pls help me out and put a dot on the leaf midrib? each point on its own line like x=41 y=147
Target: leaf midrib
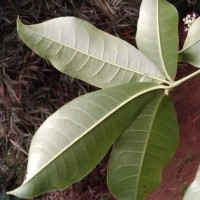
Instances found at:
x=159 y=43
x=147 y=141
x=100 y=59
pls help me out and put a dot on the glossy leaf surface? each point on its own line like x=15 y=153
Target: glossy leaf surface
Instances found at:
x=191 y=48
x=72 y=141
x=157 y=35
x=193 y=191
x=77 y=48
x=143 y=150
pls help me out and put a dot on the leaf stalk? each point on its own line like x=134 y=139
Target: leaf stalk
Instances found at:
x=179 y=82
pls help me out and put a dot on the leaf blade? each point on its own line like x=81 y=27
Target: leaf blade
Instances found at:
x=157 y=35
x=88 y=53
x=138 y=157
x=192 y=45
x=93 y=122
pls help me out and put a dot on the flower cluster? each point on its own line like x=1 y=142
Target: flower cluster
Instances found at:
x=188 y=21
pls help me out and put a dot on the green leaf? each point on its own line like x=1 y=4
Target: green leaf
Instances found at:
x=141 y=152
x=77 y=48
x=193 y=191
x=72 y=141
x=157 y=35
x=191 y=47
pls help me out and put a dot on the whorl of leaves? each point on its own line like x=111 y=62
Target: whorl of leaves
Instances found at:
x=30 y=89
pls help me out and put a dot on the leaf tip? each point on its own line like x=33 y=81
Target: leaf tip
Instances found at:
x=18 y=20
x=13 y=192
x=19 y=24
x=18 y=192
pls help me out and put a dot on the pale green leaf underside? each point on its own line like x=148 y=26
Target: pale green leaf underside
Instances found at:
x=191 y=48
x=191 y=55
x=141 y=152
x=193 y=191
x=79 y=49
x=72 y=141
x=193 y=35
x=157 y=35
